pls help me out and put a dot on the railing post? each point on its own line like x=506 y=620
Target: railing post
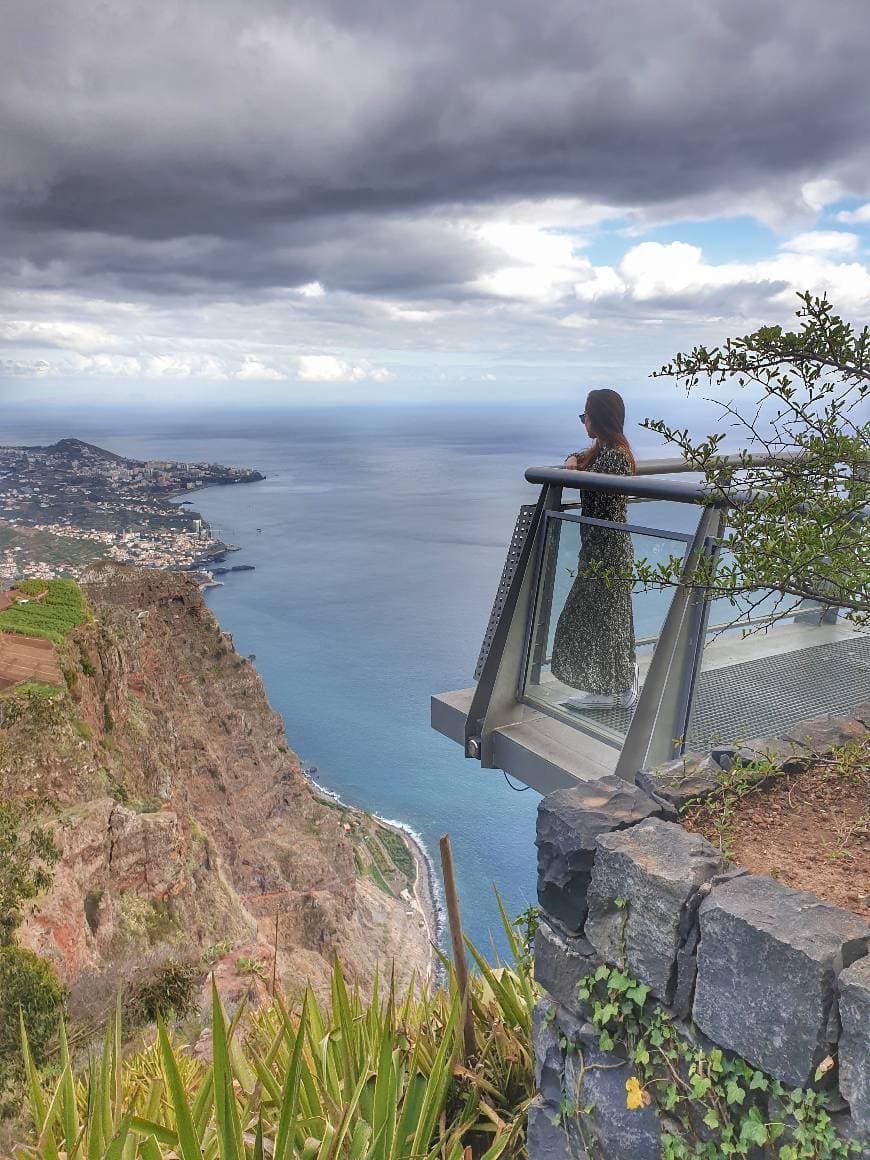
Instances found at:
x=655 y=732
x=546 y=586
x=495 y=699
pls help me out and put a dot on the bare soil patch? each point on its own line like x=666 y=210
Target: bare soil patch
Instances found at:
x=809 y=830
x=24 y=658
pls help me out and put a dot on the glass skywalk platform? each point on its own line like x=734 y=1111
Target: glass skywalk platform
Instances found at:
x=707 y=674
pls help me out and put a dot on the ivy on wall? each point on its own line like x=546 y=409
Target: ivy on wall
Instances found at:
x=711 y=1104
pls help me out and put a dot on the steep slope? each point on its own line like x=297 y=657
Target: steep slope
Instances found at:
x=183 y=817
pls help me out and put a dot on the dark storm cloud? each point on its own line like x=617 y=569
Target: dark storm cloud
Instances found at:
x=291 y=137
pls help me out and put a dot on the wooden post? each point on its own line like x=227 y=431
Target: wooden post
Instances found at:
x=459 y=961
x=275 y=949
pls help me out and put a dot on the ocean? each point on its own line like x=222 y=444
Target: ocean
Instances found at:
x=377 y=540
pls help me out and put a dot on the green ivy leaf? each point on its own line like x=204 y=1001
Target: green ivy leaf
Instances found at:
x=711 y=1119
x=734 y=1093
x=638 y=993
x=700 y=1086
x=605 y=1042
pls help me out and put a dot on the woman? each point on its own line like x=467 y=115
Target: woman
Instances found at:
x=593 y=648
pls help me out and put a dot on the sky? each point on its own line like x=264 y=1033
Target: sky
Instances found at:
x=270 y=201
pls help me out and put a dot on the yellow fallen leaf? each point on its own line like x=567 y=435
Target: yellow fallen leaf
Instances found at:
x=826 y=1065
x=635 y=1096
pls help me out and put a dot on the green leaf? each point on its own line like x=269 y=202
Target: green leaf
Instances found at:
x=734 y=1093
x=638 y=993
x=711 y=1119
x=187 y=1141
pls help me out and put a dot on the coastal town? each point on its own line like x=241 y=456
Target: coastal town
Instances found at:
x=65 y=506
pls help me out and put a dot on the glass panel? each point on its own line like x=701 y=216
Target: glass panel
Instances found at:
x=760 y=679
x=588 y=632
x=664 y=514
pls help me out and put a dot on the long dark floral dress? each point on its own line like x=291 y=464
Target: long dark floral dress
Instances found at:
x=593 y=647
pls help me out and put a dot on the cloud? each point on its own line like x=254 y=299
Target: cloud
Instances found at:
x=200 y=192
x=179 y=147
x=676 y=276
x=858 y=216
x=326 y=368
x=80 y=336
x=823 y=242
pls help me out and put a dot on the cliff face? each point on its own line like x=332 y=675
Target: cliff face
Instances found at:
x=183 y=818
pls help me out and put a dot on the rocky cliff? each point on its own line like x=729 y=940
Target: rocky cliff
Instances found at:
x=183 y=819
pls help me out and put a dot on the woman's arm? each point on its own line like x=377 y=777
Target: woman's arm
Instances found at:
x=571 y=462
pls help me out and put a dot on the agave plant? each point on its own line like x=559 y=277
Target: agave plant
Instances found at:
x=381 y=1079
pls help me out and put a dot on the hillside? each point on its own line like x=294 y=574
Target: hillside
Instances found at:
x=183 y=818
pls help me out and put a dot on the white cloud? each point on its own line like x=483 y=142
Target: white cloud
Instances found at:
x=654 y=272
x=857 y=216
x=534 y=264
x=80 y=336
x=817 y=194
x=326 y=368
x=311 y=290
x=253 y=368
x=823 y=242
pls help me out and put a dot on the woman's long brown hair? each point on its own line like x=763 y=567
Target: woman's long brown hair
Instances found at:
x=606 y=412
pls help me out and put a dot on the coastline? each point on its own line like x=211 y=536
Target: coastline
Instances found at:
x=426 y=896
x=427 y=899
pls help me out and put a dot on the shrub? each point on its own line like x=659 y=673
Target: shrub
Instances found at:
x=392 y=1077
x=27 y=856
x=166 y=990
x=29 y=984
x=245 y=965
x=216 y=951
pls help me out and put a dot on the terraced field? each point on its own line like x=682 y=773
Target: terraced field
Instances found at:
x=25 y=658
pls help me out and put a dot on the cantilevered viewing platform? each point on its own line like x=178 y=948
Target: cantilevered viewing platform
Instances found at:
x=707 y=673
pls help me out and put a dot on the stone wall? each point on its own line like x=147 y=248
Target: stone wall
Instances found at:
x=739 y=961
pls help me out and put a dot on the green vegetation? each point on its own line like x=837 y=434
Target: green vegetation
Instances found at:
x=247 y=966
x=386 y=1079
x=799 y=536
x=723 y=1105
x=401 y=856
x=32 y=997
x=143 y=921
x=216 y=951
x=36 y=690
x=41 y=706
x=54 y=609
x=87 y=667
x=377 y=877
x=27 y=857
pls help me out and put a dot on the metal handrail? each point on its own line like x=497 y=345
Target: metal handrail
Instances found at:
x=642 y=487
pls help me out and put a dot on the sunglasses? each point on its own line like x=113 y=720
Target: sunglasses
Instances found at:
x=582 y=417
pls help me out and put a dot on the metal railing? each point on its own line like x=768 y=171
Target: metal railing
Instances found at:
x=657 y=728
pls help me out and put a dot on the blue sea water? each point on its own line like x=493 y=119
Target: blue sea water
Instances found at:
x=377 y=539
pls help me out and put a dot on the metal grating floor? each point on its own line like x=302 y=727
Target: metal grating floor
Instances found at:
x=763 y=697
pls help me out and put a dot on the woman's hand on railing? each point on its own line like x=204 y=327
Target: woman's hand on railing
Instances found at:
x=571 y=462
